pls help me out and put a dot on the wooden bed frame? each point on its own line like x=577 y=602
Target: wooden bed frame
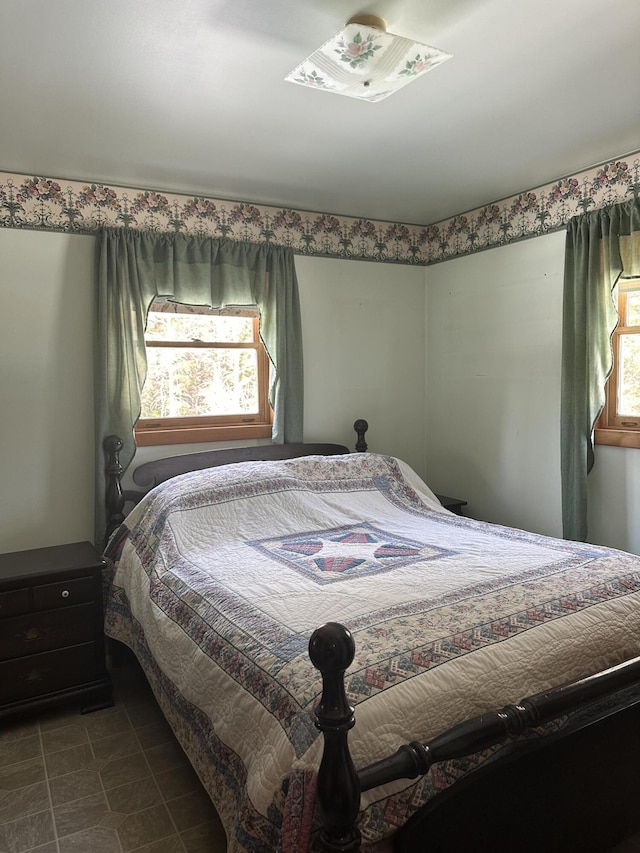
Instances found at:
x=576 y=790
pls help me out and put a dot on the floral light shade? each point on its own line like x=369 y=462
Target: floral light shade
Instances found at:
x=364 y=61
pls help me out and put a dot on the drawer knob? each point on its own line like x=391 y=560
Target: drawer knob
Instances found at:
x=65 y=593
x=34 y=675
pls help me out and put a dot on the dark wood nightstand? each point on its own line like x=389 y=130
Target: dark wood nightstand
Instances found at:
x=452 y=504
x=51 y=629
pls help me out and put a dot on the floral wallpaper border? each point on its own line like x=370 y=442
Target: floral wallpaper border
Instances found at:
x=82 y=207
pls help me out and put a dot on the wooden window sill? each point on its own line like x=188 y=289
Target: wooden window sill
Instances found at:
x=189 y=435
x=617 y=437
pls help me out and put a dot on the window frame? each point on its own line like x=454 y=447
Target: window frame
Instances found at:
x=208 y=428
x=612 y=428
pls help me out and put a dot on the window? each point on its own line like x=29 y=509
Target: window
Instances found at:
x=619 y=423
x=207 y=376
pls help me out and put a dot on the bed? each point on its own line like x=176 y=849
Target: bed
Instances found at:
x=235 y=582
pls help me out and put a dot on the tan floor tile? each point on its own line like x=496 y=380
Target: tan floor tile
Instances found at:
x=68 y=760
x=173 y=844
x=22 y=749
x=100 y=725
x=129 y=768
x=64 y=737
x=178 y=782
x=70 y=715
x=154 y=735
x=166 y=756
x=17 y=836
x=100 y=839
x=133 y=797
x=144 y=827
x=74 y=786
x=80 y=815
x=113 y=819
x=22 y=774
x=23 y=802
x=115 y=746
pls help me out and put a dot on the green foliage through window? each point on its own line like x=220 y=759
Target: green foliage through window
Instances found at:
x=197 y=366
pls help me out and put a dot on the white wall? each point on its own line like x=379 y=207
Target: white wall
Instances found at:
x=614 y=498
x=494 y=327
x=363 y=326
x=46 y=389
x=493 y=382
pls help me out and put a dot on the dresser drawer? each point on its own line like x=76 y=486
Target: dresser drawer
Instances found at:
x=63 y=593
x=53 y=629
x=37 y=675
x=14 y=601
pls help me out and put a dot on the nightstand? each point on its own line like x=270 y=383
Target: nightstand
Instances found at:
x=51 y=629
x=452 y=504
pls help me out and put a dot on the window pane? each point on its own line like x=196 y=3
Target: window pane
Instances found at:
x=629 y=376
x=198 y=327
x=633 y=308
x=196 y=382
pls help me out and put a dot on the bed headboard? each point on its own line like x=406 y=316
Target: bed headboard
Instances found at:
x=153 y=473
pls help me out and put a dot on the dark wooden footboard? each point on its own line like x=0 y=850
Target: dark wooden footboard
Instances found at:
x=587 y=775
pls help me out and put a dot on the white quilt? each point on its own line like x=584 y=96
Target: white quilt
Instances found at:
x=219 y=578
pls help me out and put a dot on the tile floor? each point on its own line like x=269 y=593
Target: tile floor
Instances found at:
x=114 y=781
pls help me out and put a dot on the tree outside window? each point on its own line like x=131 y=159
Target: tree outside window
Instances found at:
x=207 y=376
x=619 y=423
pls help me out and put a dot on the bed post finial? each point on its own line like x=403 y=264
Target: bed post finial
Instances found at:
x=361 y=426
x=331 y=649
x=114 y=498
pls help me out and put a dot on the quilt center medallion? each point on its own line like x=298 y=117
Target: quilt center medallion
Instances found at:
x=343 y=553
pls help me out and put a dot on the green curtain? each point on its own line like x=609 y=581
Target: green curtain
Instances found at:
x=134 y=268
x=593 y=264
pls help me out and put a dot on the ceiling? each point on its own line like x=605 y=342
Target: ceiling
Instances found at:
x=189 y=96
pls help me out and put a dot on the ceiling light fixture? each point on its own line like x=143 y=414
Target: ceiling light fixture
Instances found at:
x=364 y=61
